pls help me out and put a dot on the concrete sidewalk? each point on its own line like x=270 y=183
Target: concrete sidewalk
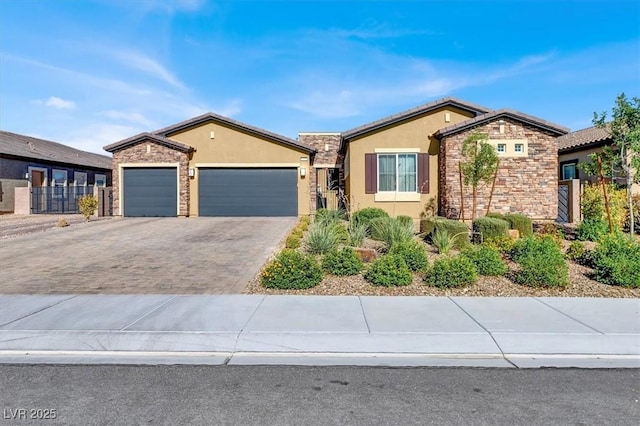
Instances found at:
x=321 y=330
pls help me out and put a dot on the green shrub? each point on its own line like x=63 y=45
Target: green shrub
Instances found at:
x=413 y=254
x=522 y=223
x=390 y=231
x=329 y=217
x=341 y=231
x=293 y=241
x=405 y=220
x=343 y=262
x=87 y=204
x=593 y=207
x=503 y=244
x=636 y=215
x=451 y=272
x=366 y=215
x=291 y=270
x=551 y=231
x=358 y=231
x=592 y=230
x=576 y=251
x=303 y=225
x=322 y=238
x=496 y=215
x=389 y=270
x=541 y=261
x=616 y=261
x=487 y=260
x=489 y=227
x=458 y=231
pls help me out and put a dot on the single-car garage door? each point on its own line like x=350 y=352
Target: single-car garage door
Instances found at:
x=248 y=192
x=150 y=191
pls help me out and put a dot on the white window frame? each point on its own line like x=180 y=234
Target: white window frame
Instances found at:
x=518 y=148
x=397 y=180
x=55 y=183
x=97 y=177
x=501 y=148
x=75 y=178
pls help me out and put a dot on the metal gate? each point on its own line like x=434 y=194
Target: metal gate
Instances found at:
x=57 y=199
x=563 y=204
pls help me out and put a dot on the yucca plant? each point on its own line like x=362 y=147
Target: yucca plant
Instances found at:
x=391 y=231
x=442 y=241
x=322 y=238
x=329 y=217
x=357 y=233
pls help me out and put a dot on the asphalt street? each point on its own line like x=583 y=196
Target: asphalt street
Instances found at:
x=283 y=395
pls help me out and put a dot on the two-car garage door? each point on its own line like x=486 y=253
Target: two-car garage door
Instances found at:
x=153 y=191
x=248 y=192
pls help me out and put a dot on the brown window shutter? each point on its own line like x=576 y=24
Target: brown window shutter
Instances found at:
x=423 y=173
x=370 y=173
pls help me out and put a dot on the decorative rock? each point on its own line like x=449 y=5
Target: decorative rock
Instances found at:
x=513 y=233
x=367 y=255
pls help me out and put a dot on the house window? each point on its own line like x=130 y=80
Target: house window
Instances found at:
x=59 y=178
x=397 y=172
x=518 y=148
x=569 y=171
x=501 y=148
x=80 y=179
x=101 y=180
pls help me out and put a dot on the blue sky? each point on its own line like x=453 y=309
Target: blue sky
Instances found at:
x=91 y=72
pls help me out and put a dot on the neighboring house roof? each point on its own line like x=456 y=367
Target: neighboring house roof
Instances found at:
x=589 y=137
x=413 y=112
x=256 y=131
x=40 y=149
x=502 y=113
x=146 y=136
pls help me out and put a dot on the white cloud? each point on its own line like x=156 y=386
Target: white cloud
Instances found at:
x=57 y=103
x=129 y=116
x=146 y=64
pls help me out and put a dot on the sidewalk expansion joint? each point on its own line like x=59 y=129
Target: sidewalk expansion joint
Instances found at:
x=568 y=316
x=148 y=313
x=40 y=310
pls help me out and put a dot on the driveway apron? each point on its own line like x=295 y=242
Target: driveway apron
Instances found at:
x=142 y=256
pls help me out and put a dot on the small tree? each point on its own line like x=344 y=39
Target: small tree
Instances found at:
x=624 y=155
x=479 y=164
x=87 y=204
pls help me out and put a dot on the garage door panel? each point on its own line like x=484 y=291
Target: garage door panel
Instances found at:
x=150 y=191
x=248 y=192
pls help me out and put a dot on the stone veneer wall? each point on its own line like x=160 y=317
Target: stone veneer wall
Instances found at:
x=323 y=157
x=527 y=185
x=157 y=154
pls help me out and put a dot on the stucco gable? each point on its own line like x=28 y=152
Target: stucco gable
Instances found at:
x=237 y=125
x=413 y=112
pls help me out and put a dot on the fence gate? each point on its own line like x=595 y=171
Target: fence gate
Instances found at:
x=105 y=201
x=563 y=204
x=57 y=199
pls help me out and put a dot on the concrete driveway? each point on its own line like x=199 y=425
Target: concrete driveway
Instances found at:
x=142 y=256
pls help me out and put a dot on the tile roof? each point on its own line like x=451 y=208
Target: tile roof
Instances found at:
x=148 y=136
x=212 y=117
x=40 y=149
x=392 y=119
x=508 y=113
x=585 y=137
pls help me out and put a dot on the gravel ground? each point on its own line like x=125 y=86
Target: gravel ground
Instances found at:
x=581 y=286
x=12 y=225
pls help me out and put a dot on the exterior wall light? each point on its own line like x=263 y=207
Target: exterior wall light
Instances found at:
x=303 y=171
x=192 y=172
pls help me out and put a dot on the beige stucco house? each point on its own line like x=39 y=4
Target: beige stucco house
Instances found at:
x=214 y=166
x=575 y=147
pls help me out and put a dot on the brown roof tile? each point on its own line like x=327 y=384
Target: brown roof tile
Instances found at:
x=147 y=136
x=211 y=117
x=585 y=137
x=508 y=113
x=40 y=149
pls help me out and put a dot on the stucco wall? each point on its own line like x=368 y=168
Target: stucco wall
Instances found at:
x=527 y=185
x=149 y=154
x=232 y=148
x=414 y=133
